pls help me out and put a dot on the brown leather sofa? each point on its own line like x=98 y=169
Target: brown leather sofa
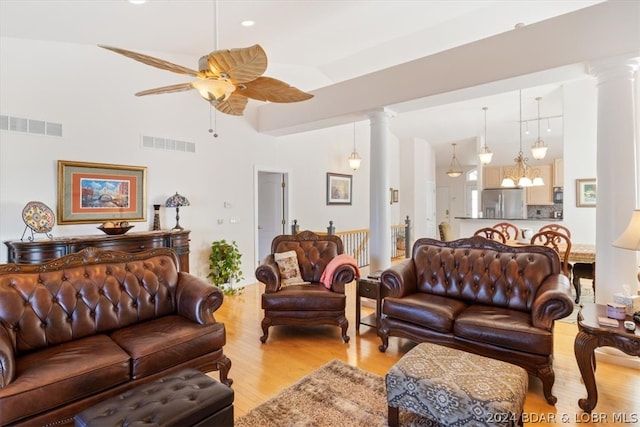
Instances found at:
x=480 y=296
x=82 y=328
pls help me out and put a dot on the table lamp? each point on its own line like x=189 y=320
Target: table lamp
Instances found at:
x=176 y=201
x=630 y=237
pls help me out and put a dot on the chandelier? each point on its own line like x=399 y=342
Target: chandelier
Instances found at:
x=485 y=154
x=455 y=170
x=521 y=174
x=354 y=158
x=539 y=149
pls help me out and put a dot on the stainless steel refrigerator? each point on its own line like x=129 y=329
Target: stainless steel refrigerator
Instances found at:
x=504 y=203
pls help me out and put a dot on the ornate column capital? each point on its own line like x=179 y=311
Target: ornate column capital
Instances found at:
x=615 y=67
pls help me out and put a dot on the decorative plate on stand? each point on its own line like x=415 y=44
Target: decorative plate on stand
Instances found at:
x=38 y=217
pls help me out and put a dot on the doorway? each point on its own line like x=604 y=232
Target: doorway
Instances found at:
x=272 y=208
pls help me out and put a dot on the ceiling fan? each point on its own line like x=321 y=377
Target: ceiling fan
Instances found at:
x=226 y=78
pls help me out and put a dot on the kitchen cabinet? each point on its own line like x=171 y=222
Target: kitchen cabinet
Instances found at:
x=543 y=194
x=40 y=251
x=492 y=176
x=558 y=172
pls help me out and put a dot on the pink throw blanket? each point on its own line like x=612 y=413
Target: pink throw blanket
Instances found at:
x=342 y=259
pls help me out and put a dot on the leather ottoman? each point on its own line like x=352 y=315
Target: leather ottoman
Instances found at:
x=186 y=398
x=450 y=387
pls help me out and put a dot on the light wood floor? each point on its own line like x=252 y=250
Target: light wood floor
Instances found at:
x=261 y=370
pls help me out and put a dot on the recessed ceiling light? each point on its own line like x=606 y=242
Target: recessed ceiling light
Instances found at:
x=137 y=1
x=248 y=23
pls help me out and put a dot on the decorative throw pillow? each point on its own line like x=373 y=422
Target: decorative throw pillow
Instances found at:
x=289 y=269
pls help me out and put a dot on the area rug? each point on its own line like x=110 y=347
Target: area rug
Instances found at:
x=336 y=394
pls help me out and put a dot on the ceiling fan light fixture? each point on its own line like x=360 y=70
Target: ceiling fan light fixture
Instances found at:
x=214 y=90
x=455 y=169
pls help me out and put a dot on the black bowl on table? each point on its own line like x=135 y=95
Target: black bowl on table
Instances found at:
x=114 y=231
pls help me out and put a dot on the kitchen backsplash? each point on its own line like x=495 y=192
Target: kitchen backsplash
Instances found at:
x=544 y=211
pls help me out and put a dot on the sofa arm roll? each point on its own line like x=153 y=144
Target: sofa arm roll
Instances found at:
x=197 y=299
x=269 y=274
x=399 y=280
x=7 y=359
x=343 y=275
x=552 y=302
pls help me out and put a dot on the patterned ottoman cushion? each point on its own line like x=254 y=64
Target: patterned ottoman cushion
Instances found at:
x=456 y=388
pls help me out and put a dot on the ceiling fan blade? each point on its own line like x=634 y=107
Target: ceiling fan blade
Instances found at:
x=180 y=87
x=154 y=62
x=239 y=65
x=272 y=90
x=234 y=105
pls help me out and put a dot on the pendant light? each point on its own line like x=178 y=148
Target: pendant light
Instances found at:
x=539 y=149
x=485 y=154
x=354 y=158
x=521 y=174
x=455 y=170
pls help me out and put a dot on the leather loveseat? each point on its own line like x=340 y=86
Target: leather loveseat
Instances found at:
x=82 y=328
x=480 y=296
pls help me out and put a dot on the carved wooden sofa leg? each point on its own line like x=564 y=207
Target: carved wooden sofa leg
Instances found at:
x=344 y=325
x=266 y=322
x=224 y=365
x=384 y=337
x=548 y=378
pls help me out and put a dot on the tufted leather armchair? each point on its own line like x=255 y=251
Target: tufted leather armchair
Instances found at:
x=90 y=325
x=481 y=296
x=306 y=304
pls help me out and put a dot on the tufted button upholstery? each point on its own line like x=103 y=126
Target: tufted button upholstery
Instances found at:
x=87 y=326
x=185 y=398
x=311 y=303
x=481 y=296
x=98 y=298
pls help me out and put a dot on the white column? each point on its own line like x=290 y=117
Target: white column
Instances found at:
x=616 y=174
x=379 y=208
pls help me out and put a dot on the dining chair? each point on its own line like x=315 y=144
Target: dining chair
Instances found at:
x=492 y=234
x=509 y=230
x=446 y=235
x=560 y=242
x=556 y=227
x=584 y=270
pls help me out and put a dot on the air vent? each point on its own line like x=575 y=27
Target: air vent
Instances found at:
x=157 y=143
x=36 y=127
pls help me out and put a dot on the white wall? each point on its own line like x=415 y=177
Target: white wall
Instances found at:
x=580 y=140
x=417 y=158
x=90 y=92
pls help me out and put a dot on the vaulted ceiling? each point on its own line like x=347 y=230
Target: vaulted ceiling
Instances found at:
x=315 y=43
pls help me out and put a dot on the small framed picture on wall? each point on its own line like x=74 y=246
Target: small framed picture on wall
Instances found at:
x=586 y=193
x=338 y=189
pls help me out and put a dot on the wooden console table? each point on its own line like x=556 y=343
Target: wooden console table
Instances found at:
x=591 y=336
x=40 y=251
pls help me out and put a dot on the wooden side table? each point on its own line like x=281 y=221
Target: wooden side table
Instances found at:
x=592 y=335
x=368 y=288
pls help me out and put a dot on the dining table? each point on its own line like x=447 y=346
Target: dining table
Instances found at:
x=580 y=252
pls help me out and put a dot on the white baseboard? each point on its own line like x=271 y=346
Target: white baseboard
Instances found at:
x=617 y=357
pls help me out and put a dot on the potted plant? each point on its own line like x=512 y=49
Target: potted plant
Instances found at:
x=224 y=266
